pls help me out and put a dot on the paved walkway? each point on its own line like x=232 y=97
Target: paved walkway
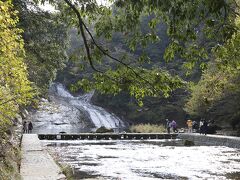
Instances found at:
x=36 y=163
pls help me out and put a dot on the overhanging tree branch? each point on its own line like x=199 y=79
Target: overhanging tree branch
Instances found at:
x=80 y=21
x=81 y=25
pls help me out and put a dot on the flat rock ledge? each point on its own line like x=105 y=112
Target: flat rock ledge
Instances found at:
x=36 y=162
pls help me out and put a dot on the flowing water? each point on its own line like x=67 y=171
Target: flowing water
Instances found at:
x=145 y=160
x=71 y=114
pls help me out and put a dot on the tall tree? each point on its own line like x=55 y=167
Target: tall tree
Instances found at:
x=216 y=96
x=15 y=88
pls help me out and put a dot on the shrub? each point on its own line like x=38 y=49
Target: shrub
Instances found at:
x=67 y=171
x=189 y=143
x=147 y=128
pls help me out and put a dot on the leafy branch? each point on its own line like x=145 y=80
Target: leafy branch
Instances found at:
x=83 y=25
x=80 y=21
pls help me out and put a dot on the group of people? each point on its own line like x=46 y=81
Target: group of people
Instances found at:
x=27 y=127
x=171 y=125
x=203 y=126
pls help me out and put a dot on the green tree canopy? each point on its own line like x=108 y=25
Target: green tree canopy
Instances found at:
x=186 y=21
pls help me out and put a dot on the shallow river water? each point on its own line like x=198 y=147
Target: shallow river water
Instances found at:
x=148 y=159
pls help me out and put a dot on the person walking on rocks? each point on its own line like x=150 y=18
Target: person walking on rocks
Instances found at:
x=25 y=127
x=189 y=124
x=30 y=127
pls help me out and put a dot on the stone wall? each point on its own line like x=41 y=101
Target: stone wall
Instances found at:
x=212 y=140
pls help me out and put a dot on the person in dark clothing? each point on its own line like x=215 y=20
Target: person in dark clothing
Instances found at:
x=25 y=128
x=30 y=127
x=195 y=126
x=168 y=126
x=205 y=127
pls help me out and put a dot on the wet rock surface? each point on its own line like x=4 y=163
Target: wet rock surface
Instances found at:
x=57 y=116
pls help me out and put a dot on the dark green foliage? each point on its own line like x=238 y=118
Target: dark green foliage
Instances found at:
x=45 y=38
x=154 y=110
x=216 y=97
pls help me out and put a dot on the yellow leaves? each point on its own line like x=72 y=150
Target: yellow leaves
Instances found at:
x=3 y=7
x=15 y=88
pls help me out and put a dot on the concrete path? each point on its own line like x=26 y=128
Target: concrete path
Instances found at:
x=36 y=163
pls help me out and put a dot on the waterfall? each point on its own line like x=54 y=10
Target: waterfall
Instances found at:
x=99 y=116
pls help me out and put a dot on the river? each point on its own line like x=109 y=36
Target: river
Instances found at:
x=146 y=160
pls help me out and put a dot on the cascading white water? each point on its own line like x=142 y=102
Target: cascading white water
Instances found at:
x=99 y=116
x=60 y=90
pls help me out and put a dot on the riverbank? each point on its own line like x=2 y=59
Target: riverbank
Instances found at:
x=36 y=163
x=211 y=140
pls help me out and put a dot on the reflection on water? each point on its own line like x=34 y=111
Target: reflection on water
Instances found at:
x=149 y=159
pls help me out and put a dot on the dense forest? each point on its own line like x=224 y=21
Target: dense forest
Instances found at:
x=147 y=60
